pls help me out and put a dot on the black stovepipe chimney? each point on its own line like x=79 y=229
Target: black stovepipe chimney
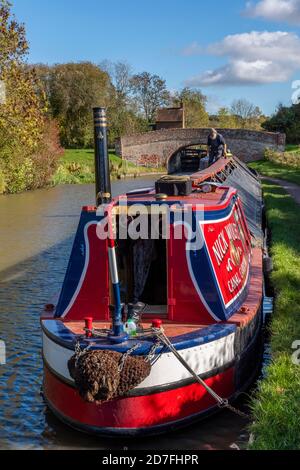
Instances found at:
x=102 y=174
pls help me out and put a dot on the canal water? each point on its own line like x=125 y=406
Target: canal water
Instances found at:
x=36 y=234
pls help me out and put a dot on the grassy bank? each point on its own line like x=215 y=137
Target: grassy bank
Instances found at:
x=293 y=148
x=284 y=166
x=77 y=166
x=276 y=407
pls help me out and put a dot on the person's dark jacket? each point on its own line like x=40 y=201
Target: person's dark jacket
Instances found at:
x=216 y=143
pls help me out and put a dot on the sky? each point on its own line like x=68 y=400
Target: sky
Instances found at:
x=228 y=49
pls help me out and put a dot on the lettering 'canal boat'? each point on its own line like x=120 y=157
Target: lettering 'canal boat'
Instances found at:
x=159 y=319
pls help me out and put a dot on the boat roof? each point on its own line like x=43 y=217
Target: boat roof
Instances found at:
x=211 y=201
x=231 y=176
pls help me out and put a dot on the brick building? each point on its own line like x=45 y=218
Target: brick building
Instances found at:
x=169 y=118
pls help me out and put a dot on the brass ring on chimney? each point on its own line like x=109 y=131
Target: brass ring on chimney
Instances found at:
x=100 y=124
x=101 y=120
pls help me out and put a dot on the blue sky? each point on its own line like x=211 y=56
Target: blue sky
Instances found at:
x=226 y=48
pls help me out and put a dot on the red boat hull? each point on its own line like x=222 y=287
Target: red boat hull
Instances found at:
x=146 y=414
x=153 y=413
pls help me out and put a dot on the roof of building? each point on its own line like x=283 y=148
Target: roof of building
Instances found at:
x=169 y=115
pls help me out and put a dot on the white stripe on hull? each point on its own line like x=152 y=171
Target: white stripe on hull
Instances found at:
x=167 y=369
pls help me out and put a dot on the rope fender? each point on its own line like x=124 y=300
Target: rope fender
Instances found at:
x=101 y=376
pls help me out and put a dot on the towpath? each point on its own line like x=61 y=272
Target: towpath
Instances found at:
x=291 y=188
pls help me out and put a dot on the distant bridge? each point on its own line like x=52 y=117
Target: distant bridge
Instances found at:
x=159 y=148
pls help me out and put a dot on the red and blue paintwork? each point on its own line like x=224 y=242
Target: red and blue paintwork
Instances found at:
x=202 y=297
x=86 y=284
x=208 y=286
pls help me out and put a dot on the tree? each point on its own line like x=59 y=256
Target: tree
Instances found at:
x=22 y=114
x=122 y=111
x=124 y=121
x=13 y=42
x=226 y=119
x=73 y=90
x=247 y=114
x=120 y=74
x=286 y=120
x=150 y=93
x=121 y=77
x=18 y=124
x=194 y=103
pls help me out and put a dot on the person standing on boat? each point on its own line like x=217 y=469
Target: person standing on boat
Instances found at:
x=216 y=146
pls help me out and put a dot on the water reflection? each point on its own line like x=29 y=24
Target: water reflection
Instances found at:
x=37 y=231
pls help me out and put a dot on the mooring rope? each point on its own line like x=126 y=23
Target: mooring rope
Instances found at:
x=222 y=402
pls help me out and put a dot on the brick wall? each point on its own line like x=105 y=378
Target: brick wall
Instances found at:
x=157 y=147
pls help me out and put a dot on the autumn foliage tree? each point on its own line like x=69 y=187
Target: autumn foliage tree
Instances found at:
x=23 y=122
x=74 y=88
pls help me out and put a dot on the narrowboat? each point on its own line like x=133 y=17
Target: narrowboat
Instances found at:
x=158 y=322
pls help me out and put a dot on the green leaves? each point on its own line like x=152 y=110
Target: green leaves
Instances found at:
x=287 y=120
x=23 y=124
x=194 y=103
x=13 y=43
x=150 y=93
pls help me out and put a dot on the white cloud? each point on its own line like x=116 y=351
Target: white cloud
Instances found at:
x=253 y=58
x=275 y=10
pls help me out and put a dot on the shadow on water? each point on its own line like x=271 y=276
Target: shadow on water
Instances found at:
x=42 y=239
x=24 y=289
